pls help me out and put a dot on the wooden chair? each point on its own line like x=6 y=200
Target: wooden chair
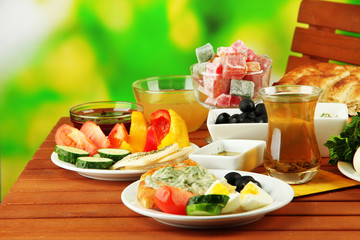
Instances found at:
x=327 y=36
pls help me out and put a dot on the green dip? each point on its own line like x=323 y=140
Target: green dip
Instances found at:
x=195 y=179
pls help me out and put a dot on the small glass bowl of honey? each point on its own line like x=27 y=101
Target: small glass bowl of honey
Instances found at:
x=104 y=113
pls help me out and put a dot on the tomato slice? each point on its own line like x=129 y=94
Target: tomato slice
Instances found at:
x=151 y=140
x=160 y=119
x=172 y=199
x=117 y=135
x=69 y=136
x=95 y=134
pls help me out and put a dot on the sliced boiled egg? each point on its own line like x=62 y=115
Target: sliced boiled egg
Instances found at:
x=356 y=160
x=217 y=188
x=253 y=197
x=233 y=204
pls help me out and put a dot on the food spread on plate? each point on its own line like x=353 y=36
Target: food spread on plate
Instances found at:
x=163 y=142
x=187 y=188
x=230 y=74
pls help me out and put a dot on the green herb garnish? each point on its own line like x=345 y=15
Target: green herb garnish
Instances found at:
x=344 y=146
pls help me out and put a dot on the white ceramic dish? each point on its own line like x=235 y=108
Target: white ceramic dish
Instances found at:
x=280 y=191
x=99 y=174
x=348 y=170
x=103 y=174
x=250 y=154
x=324 y=127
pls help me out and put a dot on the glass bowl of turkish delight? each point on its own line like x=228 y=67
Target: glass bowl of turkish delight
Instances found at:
x=223 y=78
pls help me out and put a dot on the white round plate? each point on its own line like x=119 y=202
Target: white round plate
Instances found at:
x=280 y=191
x=348 y=170
x=99 y=174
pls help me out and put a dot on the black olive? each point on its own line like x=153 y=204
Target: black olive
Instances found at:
x=262 y=119
x=231 y=177
x=247 y=105
x=235 y=118
x=240 y=183
x=222 y=118
x=260 y=109
x=247 y=115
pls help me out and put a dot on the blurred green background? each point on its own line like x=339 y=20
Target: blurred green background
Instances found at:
x=58 y=53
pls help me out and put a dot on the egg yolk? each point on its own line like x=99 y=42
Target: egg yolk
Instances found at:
x=249 y=188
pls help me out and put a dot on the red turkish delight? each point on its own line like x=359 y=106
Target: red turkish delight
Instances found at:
x=234 y=65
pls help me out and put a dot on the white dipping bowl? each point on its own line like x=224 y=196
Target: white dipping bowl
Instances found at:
x=324 y=127
x=250 y=155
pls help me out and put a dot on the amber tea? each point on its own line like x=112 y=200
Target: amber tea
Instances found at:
x=292 y=153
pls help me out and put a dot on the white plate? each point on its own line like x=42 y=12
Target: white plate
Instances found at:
x=280 y=191
x=103 y=174
x=348 y=170
x=99 y=174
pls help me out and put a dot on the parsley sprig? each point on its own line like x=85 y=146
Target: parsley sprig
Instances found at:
x=344 y=146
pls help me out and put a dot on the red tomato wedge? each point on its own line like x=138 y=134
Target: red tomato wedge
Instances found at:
x=69 y=136
x=161 y=122
x=172 y=199
x=95 y=134
x=151 y=140
x=117 y=135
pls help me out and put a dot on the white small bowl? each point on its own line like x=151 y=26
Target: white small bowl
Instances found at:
x=324 y=127
x=250 y=155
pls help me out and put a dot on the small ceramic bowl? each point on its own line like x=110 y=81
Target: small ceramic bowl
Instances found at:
x=330 y=119
x=234 y=154
x=104 y=113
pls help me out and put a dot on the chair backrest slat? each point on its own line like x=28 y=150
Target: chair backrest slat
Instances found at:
x=330 y=14
x=321 y=42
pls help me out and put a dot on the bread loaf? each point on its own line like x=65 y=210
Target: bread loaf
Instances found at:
x=340 y=83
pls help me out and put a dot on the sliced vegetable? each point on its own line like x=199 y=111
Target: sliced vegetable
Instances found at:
x=115 y=154
x=210 y=198
x=204 y=209
x=95 y=134
x=69 y=136
x=117 y=135
x=172 y=199
x=70 y=154
x=138 y=131
x=160 y=119
x=94 y=162
x=151 y=140
x=178 y=132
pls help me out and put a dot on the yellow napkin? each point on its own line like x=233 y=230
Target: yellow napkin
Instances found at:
x=322 y=182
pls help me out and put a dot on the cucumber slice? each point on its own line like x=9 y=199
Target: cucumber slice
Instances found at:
x=70 y=154
x=209 y=198
x=115 y=154
x=204 y=209
x=94 y=162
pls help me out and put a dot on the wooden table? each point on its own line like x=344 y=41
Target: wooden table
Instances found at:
x=48 y=202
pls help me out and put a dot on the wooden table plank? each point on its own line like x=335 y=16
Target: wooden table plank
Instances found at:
x=144 y=224
x=187 y=234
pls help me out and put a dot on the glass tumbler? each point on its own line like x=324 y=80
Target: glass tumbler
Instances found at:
x=292 y=153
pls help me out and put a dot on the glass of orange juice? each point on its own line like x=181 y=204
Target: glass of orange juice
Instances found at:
x=292 y=153
x=175 y=92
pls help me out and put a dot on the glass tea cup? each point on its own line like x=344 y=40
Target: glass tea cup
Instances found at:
x=292 y=152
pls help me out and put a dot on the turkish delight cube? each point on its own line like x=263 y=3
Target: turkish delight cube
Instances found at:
x=205 y=53
x=234 y=65
x=242 y=88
